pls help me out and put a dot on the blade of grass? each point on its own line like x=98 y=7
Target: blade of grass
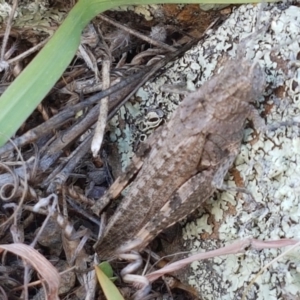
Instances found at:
x=110 y=291
x=33 y=84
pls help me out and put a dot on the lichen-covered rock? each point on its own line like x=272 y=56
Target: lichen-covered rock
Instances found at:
x=268 y=164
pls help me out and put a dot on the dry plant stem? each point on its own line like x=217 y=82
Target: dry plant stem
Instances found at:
x=10 y=51
x=16 y=212
x=73 y=247
x=3 y=294
x=33 y=244
x=122 y=60
x=86 y=123
x=38 y=282
x=78 y=196
x=149 y=52
x=13 y=179
x=103 y=109
x=26 y=280
x=40 y=211
x=51 y=176
x=28 y=52
x=74 y=132
x=73 y=160
x=89 y=60
x=51 y=211
x=83 y=212
x=138 y=34
x=64 y=204
x=234 y=248
x=69 y=79
x=17 y=193
x=5 y=184
x=146 y=264
x=295 y=245
x=74 y=250
x=43 y=112
x=27 y=267
x=103 y=222
x=64 y=116
x=28 y=221
x=163 y=261
x=36 y=159
x=8 y=28
x=95 y=88
x=106 y=165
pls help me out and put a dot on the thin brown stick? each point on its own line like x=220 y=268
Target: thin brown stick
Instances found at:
x=138 y=34
x=8 y=28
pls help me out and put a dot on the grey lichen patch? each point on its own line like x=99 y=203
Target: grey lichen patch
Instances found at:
x=137 y=119
x=34 y=15
x=123 y=135
x=133 y=124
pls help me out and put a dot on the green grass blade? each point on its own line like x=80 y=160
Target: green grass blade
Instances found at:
x=110 y=291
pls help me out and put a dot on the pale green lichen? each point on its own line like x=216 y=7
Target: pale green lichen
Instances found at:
x=199 y=226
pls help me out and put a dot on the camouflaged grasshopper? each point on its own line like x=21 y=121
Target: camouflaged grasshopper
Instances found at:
x=186 y=159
